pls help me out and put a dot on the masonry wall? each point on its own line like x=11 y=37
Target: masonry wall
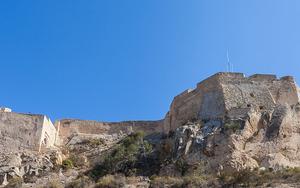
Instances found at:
x=230 y=93
x=24 y=128
x=182 y=108
x=242 y=93
x=206 y=101
x=69 y=127
x=286 y=91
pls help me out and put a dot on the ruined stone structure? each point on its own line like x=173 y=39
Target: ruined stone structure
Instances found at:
x=230 y=94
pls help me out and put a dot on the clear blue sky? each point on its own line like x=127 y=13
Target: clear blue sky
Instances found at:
x=114 y=60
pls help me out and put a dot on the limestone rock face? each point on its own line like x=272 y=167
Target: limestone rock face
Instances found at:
x=263 y=138
x=27 y=164
x=90 y=146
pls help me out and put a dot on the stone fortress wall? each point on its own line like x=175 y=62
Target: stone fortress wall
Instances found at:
x=221 y=95
x=69 y=127
x=37 y=132
x=30 y=130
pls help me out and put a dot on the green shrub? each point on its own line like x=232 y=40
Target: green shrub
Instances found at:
x=125 y=157
x=295 y=170
x=182 y=166
x=96 y=142
x=67 y=164
x=148 y=147
x=78 y=160
x=234 y=126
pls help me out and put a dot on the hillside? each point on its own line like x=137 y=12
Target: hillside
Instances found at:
x=230 y=130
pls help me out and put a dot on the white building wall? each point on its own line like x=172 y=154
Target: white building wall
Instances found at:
x=48 y=134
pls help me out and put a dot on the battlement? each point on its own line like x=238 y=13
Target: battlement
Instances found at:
x=183 y=94
x=263 y=77
x=235 y=77
x=288 y=78
x=221 y=76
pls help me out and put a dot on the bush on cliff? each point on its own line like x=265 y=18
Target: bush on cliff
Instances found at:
x=67 y=164
x=127 y=157
x=234 y=126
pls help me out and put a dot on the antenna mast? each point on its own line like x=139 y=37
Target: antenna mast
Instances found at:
x=229 y=65
x=228 y=62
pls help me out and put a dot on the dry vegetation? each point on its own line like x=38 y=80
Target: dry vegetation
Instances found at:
x=134 y=156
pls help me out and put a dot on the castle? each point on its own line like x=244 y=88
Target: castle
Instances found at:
x=230 y=94
x=219 y=96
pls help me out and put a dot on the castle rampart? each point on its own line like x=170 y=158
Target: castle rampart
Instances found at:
x=217 y=95
x=32 y=131
x=68 y=127
x=263 y=77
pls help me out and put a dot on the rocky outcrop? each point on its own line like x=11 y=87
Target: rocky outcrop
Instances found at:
x=27 y=165
x=266 y=139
